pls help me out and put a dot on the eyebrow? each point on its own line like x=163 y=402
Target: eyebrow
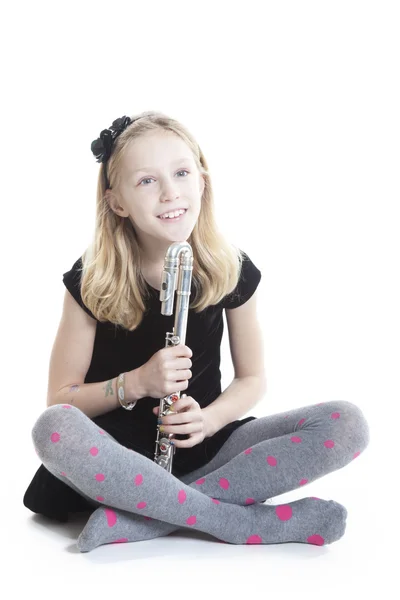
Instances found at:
x=175 y=162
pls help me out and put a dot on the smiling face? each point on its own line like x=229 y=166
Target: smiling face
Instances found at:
x=158 y=175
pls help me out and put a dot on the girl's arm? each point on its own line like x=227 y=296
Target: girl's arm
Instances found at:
x=95 y=399
x=69 y=363
x=235 y=401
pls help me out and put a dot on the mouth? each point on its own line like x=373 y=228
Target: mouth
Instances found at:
x=174 y=220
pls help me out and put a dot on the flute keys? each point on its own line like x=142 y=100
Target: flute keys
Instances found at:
x=162 y=461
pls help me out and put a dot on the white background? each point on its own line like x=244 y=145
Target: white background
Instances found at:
x=296 y=108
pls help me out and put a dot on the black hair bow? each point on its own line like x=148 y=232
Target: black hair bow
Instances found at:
x=102 y=147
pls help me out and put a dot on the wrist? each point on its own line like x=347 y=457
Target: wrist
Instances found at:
x=134 y=385
x=211 y=425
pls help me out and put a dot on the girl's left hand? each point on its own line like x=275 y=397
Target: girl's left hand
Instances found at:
x=189 y=419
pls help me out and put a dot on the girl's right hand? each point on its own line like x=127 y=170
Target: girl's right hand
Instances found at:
x=166 y=372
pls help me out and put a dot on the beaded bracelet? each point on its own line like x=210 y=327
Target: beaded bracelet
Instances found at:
x=121 y=393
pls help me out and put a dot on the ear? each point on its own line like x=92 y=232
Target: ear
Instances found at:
x=115 y=205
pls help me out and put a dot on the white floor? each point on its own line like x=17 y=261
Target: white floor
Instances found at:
x=42 y=559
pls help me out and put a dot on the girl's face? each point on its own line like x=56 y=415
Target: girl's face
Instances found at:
x=159 y=175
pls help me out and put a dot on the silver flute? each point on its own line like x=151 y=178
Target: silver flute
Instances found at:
x=177 y=275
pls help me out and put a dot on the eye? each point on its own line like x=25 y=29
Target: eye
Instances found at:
x=149 y=178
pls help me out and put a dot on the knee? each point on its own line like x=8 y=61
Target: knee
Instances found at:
x=352 y=420
x=48 y=423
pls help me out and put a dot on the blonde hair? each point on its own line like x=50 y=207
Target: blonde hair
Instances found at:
x=112 y=284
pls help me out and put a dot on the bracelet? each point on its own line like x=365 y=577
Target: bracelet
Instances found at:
x=121 y=393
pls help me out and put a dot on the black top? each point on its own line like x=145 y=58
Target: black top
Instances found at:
x=118 y=350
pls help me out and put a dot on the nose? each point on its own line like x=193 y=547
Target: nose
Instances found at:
x=169 y=191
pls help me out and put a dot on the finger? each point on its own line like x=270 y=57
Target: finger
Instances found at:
x=193 y=440
x=186 y=428
x=181 y=418
x=183 y=402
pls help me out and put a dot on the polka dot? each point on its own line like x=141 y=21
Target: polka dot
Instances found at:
x=356 y=454
x=329 y=443
x=55 y=437
x=120 y=541
x=63 y=473
x=94 y=451
x=148 y=518
x=248 y=451
x=249 y=501
x=271 y=460
x=139 y=479
x=141 y=505
x=181 y=496
x=300 y=423
x=215 y=501
x=319 y=403
x=224 y=483
x=284 y=512
x=100 y=498
x=335 y=415
x=315 y=498
x=200 y=481
x=295 y=439
x=316 y=539
x=101 y=431
x=303 y=481
x=111 y=517
x=100 y=477
x=191 y=520
x=66 y=406
x=254 y=539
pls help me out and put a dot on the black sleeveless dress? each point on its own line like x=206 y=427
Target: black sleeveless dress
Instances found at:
x=117 y=350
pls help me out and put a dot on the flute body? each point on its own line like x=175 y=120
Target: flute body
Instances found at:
x=176 y=276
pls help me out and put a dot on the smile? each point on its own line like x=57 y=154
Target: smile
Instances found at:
x=174 y=220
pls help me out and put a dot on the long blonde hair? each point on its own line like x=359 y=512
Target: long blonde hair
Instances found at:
x=112 y=284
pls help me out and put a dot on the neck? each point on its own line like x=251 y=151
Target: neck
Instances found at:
x=152 y=258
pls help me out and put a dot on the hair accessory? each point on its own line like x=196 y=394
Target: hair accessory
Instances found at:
x=102 y=147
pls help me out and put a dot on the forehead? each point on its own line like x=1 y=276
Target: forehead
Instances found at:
x=156 y=150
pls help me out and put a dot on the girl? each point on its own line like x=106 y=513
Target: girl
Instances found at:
x=154 y=188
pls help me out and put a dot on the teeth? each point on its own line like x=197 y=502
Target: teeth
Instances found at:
x=172 y=215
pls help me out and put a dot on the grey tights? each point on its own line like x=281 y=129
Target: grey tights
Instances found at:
x=268 y=456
